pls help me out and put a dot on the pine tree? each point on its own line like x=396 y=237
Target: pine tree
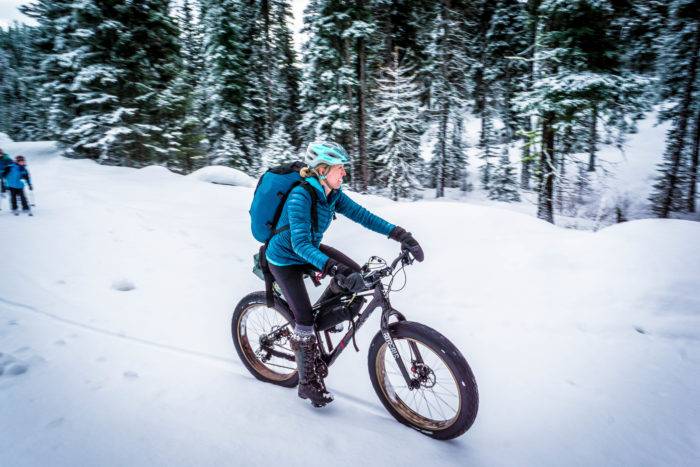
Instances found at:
x=487 y=141
x=329 y=77
x=397 y=121
x=286 y=78
x=679 y=68
x=233 y=92
x=230 y=152
x=128 y=55
x=578 y=82
x=504 y=186
x=278 y=150
x=449 y=86
x=55 y=44
x=22 y=115
x=505 y=69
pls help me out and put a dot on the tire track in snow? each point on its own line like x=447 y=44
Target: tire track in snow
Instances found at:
x=119 y=335
x=362 y=404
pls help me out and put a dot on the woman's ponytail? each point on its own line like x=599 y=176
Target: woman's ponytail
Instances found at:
x=307 y=172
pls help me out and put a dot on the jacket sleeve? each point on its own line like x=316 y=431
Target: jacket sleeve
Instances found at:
x=299 y=212
x=350 y=209
x=25 y=175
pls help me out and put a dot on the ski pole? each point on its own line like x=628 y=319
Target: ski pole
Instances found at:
x=32 y=200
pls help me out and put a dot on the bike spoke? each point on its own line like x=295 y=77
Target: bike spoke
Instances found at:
x=435 y=399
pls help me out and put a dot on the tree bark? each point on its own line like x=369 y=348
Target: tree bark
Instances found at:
x=265 y=9
x=693 y=179
x=361 y=110
x=546 y=188
x=442 y=142
x=678 y=145
x=592 y=138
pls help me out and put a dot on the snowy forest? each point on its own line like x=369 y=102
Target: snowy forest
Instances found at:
x=219 y=82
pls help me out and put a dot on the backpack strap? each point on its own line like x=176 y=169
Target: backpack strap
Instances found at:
x=269 y=279
x=314 y=204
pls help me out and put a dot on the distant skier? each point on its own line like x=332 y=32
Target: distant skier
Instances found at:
x=5 y=161
x=15 y=174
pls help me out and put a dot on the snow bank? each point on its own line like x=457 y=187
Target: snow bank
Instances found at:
x=4 y=138
x=222 y=175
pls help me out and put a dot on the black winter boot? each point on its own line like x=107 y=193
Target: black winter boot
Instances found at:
x=311 y=370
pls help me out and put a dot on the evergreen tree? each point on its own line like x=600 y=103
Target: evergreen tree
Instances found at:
x=128 y=55
x=487 y=141
x=679 y=76
x=22 y=115
x=232 y=89
x=504 y=186
x=278 y=150
x=286 y=78
x=451 y=29
x=505 y=69
x=398 y=126
x=578 y=82
x=59 y=54
x=230 y=152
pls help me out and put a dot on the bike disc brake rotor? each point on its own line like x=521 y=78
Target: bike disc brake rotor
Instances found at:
x=434 y=401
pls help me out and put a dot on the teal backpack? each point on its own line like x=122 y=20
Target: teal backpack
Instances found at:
x=270 y=195
x=268 y=202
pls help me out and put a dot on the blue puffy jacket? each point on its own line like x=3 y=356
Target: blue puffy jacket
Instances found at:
x=14 y=174
x=297 y=245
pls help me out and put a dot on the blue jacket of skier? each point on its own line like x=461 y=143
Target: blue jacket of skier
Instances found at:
x=298 y=245
x=15 y=174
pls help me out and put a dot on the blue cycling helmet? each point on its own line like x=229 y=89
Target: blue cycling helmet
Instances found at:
x=325 y=152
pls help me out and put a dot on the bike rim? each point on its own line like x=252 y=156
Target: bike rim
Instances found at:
x=257 y=321
x=436 y=404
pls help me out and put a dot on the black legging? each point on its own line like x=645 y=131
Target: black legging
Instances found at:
x=291 y=281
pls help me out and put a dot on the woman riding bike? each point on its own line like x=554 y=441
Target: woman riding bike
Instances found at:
x=293 y=250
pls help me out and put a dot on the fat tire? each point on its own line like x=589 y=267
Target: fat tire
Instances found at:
x=259 y=298
x=451 y=356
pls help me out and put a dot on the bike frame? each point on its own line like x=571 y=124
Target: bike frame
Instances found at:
x=379 y=300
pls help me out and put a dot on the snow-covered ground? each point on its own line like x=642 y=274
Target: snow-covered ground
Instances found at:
x=115 y=347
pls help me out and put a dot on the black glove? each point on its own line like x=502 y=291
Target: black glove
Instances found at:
x=407 y=242
x=31 y=188
x=333 y=268
x=354 y=282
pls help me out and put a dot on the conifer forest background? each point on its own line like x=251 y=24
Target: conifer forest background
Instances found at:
x=219 y=82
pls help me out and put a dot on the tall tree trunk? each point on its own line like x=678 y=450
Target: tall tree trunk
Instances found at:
x=592 y=138
x=361 y=109
x=679 y=134
x=561 y=176
x=265 y=10
x=441 y=176
x=546 y=188
x=693 y=179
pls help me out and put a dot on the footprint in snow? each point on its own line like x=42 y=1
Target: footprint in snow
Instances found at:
x=123 y=285
x=60 y=343
x=55 y=423
x=131 y=375
x=11 y=366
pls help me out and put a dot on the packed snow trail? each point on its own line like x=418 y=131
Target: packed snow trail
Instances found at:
x=115 y=341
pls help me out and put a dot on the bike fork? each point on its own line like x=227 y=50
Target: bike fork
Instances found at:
x=411 y=383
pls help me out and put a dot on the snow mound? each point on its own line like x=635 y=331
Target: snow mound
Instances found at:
x=4 y=138
x=222 y=175
x=155 y=172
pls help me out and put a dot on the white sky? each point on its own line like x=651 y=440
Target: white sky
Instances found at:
x=10 y=13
